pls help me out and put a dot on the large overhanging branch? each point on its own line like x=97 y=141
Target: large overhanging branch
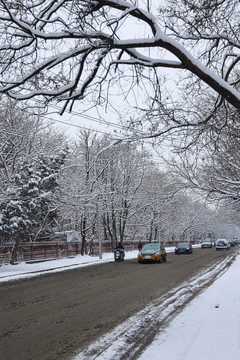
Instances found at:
x=86 y=38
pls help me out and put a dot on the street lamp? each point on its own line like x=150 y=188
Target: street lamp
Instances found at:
x=95 y=176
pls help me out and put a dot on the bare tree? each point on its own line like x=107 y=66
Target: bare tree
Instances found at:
x=76 y=197
x=122 y=187
x=213 y=169
x=220 y=170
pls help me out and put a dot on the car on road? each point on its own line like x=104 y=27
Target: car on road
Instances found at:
x=152 y=252
x=233 y=242
x=206 y=244
x=183 y=248
x=222 y=244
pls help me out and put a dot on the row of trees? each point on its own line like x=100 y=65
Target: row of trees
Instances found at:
x=132 y=196
x=47 y=186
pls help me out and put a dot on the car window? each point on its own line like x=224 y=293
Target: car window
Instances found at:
x=154 y=247
x=183 y=244
x=147 y=247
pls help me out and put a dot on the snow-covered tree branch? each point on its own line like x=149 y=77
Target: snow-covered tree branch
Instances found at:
x=72 y=50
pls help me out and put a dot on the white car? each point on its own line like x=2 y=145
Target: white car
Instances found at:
x=222 y=244
x=206 y=244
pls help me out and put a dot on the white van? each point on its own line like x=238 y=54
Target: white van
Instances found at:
x=222 y=244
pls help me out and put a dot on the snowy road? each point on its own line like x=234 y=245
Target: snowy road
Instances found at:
x=66 y=312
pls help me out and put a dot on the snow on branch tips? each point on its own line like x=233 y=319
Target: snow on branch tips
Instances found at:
x=64 y=51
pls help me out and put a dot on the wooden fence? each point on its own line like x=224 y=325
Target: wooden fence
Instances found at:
x=34 y=251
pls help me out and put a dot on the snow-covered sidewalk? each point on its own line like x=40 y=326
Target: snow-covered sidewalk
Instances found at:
x=23 y=270
x=209 y=328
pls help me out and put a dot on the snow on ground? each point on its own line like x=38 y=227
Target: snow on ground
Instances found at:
x=23 y=270
x=208 y=328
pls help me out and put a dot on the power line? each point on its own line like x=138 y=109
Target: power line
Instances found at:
x=140 y=135
x=74 y=125
x=94 y=119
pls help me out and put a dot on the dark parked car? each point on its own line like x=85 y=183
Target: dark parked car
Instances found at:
x=233 y=242
x=183 y=248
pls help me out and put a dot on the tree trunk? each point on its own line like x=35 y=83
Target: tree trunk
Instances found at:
x=83 y=233
x=106 y=221
x=114 y=229
x=124 y=221
x=14 y=251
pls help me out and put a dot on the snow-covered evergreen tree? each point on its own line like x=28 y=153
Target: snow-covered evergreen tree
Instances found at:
x=27 y=207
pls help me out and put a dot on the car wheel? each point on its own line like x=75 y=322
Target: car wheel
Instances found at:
x=165 y=258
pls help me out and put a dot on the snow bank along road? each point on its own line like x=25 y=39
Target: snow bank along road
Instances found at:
x=58 y=315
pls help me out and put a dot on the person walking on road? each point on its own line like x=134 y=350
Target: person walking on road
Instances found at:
x=140 y=245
